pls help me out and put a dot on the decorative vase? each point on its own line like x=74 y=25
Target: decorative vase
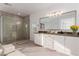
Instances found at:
x=74 y=28
x=74 y=32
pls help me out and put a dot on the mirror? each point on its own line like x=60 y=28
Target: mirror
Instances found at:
x=60 y=22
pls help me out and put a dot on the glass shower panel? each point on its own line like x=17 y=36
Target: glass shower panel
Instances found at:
x=0 y=29
x=13 y=28
x=9 y=29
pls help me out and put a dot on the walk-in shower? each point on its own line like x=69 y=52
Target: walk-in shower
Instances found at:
x=13 y=28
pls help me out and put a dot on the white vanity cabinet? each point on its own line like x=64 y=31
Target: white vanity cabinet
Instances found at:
x=38 y=39
x=68 y=45
x=48 y=41
x=71 y=45
x=59 y=43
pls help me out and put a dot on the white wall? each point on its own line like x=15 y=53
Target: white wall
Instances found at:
x=34 y=18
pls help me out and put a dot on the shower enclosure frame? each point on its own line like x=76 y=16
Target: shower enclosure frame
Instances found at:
x=1 y=27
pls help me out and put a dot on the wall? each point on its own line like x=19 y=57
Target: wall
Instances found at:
x=34 y=18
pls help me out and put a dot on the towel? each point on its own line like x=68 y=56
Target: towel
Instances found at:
x=8 y=48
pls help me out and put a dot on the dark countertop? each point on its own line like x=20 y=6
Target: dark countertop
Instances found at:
x=72 y=35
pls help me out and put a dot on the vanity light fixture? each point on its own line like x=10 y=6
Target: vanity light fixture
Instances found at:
x=58 y=13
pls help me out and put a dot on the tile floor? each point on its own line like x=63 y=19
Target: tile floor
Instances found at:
x=30 y=49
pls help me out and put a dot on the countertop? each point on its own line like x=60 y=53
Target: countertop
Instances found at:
x=73 y=35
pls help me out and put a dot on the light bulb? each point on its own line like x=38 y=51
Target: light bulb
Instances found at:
x=57 y=13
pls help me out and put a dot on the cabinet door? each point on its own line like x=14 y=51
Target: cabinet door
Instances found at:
x=59 y=43
x=70 y=45
x=48 y=41
x=38 y=39
x=76 y=48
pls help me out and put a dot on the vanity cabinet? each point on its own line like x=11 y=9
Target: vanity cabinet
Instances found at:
x=64 y=44
x=48 y=41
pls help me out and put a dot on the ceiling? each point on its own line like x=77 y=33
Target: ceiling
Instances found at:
x=24 y=9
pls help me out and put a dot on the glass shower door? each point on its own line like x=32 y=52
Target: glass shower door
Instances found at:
x=9 y=29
